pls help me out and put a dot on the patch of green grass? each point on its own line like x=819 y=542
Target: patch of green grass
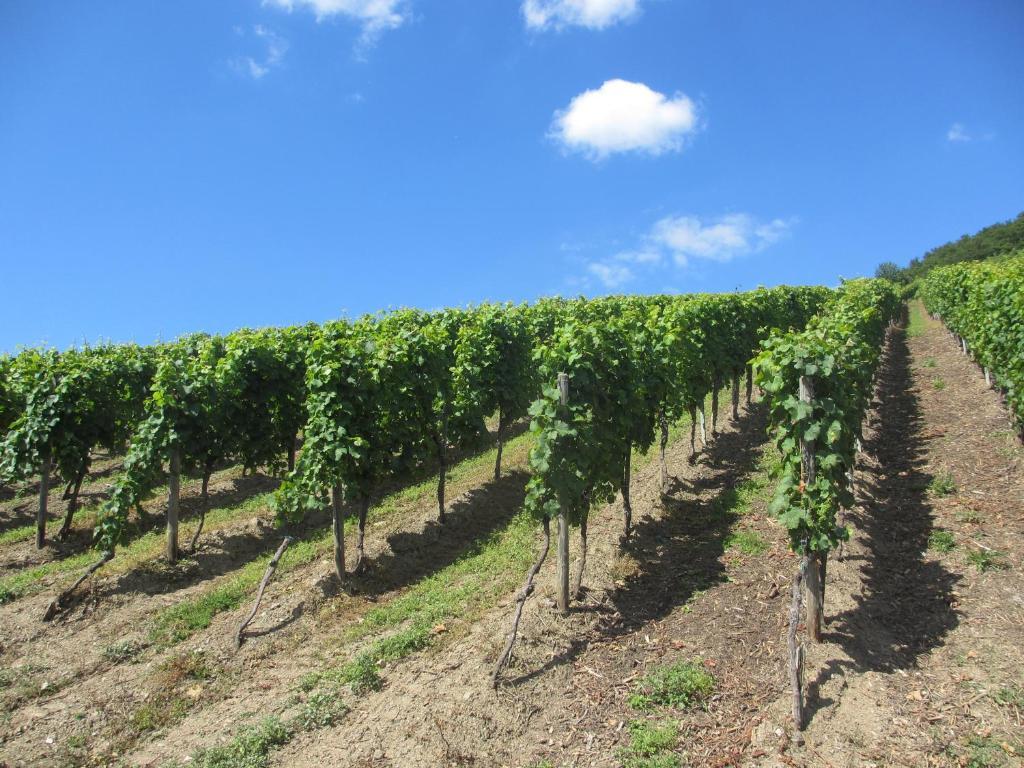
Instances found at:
x=984 y=752
x=651 y=745
x=122 y=651
x=929 y=362
x=682 y=684
x=938 y=384
x=942 y=484
x=941 y=541
x=915 y=320
x=249 y=749
x=986 y=560
x=1010 y=696
x=747 y=542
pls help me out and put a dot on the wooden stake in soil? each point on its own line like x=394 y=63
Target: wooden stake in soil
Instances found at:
x=442 y=460
x=271 y=567
x=693 y=432
x=627 y=506
x=577 y=587
x=750 y=383
x=44 y=497
x=815 y=587
x=497 y=460
x=714 y=406
x=663 y=423
x=563 y=524
x=338 y=523
x=701 y=422
x=735 y=397
x=524 y=593
x=364 y=508
x=796 y=649
x=173 y=488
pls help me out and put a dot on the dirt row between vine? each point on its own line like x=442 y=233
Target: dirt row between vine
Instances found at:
x=60 y=684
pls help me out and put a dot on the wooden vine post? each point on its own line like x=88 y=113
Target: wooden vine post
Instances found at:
x=796 y=650
x=173 y=490
x=497 y=460
x=735 y=397
x=750 y=384
x=813 y=562
x=563 y=523
x=44 y=494
x=338 y=522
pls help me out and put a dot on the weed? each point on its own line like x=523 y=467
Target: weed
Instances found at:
x=650 y=745
x=983 y=753
x=941 y=541
x=968 y=516
x=679 y=685
x=938 y=384
x=942 y=484
x=361 y=673
x=321 y=709
x=249 y=749
x=1010 y=696
x=122 y=651
x=986 y=560
x=929 y=362
x=747 y=542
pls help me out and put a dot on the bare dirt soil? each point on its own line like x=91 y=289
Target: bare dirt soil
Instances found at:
x=922 y=661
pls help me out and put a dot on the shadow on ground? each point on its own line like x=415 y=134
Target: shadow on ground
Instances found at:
x=680 y=552
x=905 y=608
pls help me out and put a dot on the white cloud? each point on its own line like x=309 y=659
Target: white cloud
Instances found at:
x=375 y=16
x=610 y=275
x=957 y=132
x=256 y=68
x=643 y=256
x=720 y=239
x=621 y=116
x=593 y=14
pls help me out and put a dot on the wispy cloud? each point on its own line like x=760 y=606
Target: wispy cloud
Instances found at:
x=374 y=16
x=274 y=49
x=958 y=134
x=593 y=14
x=721 y=239
x=611 y=275
x=674 y=241
x=622 y=116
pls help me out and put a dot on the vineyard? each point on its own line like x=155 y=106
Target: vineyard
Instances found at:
x=573 y=532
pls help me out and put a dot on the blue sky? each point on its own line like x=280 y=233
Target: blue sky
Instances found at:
x=168 y=167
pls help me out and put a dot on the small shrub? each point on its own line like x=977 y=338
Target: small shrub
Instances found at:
x=361 y=673
x=650 y=745
x=986 y=560
x=321 y=709
x=941 y=541
x=120 y=652
x=680 y=685
x=942 y=484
